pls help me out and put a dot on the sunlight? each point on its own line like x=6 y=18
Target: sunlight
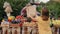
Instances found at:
x=44 y=1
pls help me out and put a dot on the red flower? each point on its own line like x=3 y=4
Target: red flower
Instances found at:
x=19 y=17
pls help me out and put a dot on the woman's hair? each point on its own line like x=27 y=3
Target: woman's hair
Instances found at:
x=45 y=12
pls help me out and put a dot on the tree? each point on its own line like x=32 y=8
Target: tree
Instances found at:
x=17 y=5
x=54 y=8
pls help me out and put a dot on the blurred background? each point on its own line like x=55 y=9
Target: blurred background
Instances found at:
x=17 y=5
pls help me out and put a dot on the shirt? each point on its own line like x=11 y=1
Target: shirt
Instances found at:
x=31 y=11
x=43 y=26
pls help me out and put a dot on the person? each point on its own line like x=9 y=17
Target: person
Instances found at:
x=8 y=8
x=43 y=22
x=23 y=11
x=27 y=10
x=29 y=13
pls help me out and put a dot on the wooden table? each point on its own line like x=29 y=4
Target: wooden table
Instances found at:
x=14 y=25
x=27 y=25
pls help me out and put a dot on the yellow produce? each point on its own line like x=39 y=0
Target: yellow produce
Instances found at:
x=11 y=18
x=56 y=22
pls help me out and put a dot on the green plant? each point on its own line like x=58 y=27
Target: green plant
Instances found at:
x=16 y=5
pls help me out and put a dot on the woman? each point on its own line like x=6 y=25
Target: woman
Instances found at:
x=43 y=22
x=23 y=11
